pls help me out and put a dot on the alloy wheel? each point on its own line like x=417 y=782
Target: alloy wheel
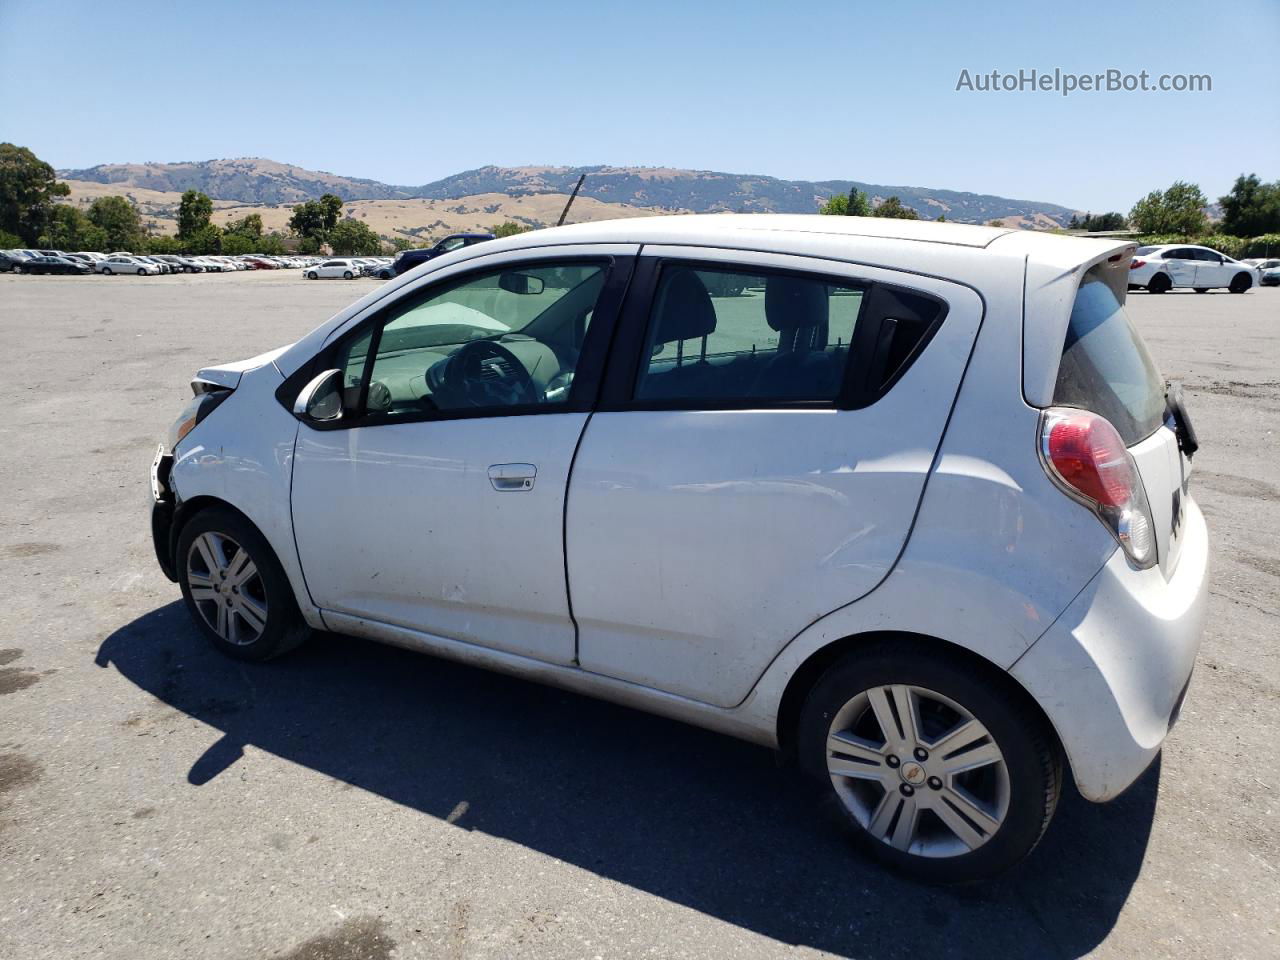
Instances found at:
x=227 y=588
x=918 y=771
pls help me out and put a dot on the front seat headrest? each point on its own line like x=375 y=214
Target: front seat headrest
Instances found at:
x=791 y=303
x=799 y=311
x=684 y=310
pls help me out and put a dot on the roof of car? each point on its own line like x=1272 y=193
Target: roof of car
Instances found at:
x=725 y=225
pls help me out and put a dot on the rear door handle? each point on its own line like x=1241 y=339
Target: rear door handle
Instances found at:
x=508 y=477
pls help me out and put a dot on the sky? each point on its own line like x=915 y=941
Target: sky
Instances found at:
x=408 y=93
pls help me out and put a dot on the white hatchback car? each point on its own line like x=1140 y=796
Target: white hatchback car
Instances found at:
x=331 y=269
x=906 y=500
x=1158 y=269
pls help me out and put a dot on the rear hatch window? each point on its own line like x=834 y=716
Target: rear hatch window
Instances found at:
x=1106 y=368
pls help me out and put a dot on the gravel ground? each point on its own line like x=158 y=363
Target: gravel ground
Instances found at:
x=355 y=801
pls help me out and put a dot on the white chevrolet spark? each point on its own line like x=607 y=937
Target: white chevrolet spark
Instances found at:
x=907 y=501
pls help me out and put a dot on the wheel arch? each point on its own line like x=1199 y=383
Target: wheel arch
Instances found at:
x=819 y=661
x=185 y=511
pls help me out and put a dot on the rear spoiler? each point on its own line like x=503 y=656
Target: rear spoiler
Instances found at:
x=1052 y=279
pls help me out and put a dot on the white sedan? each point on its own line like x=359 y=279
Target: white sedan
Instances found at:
x=119 y=264
x=332 y=269
x=1159 y=269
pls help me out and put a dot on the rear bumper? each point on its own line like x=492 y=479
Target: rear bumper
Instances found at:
x=1112 y=671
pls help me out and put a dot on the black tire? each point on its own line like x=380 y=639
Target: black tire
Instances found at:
x=347 y=275
x=284 y=629
x=17 y=269
x=107 y=271
x=1202 y=289
x=141 y=272
x=1031 y=754
x=1160 y=283
x=1240 y=283
x=313 y=275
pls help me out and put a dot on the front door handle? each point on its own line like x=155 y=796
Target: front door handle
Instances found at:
x=507 y=477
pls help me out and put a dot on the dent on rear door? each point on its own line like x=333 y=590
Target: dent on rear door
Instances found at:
x=700 y=542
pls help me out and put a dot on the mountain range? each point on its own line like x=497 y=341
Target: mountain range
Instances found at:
x=254 y=180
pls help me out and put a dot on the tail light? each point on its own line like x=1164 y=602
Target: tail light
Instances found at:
x=1136 y=264
x=1084 y=455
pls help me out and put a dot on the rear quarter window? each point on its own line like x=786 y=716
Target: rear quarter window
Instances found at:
x=1106 y=367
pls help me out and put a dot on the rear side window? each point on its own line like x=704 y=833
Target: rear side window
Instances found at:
x=1105 y=365
x=745 y=336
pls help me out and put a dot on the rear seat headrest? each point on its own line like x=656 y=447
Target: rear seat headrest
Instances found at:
x=684 y=310
x=791 y=303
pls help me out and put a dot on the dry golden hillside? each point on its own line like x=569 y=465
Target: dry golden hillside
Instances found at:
x=417 y=220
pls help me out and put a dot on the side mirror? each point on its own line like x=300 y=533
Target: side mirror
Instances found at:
x=321 y=399
x=521 y=283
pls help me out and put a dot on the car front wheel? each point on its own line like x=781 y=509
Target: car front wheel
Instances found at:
x=1240 y=283
x=943 y=770
x=347 y=275
x=107 y=271
x=235 y=588
x=312 y=275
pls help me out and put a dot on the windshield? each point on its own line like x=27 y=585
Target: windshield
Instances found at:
x=1106 y=367
x=1146 y=251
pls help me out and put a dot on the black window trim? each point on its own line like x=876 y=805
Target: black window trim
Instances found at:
x=587 y=375
x=626 y=356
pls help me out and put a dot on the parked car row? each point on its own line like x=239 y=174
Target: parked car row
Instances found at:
x=348 y=268
x=124 y=262
x=384 y=268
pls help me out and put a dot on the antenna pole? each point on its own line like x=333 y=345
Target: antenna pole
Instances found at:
x=573 y=196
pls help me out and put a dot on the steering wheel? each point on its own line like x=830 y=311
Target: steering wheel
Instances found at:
x=468 y=376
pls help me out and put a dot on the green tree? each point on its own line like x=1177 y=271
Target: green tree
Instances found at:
x=1178 y=210
x=1251 y=208
x=194 y=211
x=837 y=205
x=271 y=244
x=205 y=239
x=350 y=237
x=401 y=243
x=995 y=223
x=160 y=243
x=892 y=207
x=28 y=189
x=69 y=229
x=118 y=219
x=236 y=244
x=508 y=228
x=249 y=227
x=9 y=240
x=315 y=218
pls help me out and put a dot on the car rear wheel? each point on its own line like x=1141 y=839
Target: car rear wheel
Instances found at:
x=1240 y=283
x=944 y=771
x=1160 y=283
x=235 y=588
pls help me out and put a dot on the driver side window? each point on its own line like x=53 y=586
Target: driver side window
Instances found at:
x=508 y=338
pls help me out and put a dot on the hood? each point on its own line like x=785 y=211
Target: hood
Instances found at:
x=226 y=376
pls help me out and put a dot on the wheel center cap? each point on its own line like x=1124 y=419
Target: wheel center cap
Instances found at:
x=912 y=773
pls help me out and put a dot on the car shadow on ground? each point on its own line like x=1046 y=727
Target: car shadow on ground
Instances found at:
x=699 y=819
